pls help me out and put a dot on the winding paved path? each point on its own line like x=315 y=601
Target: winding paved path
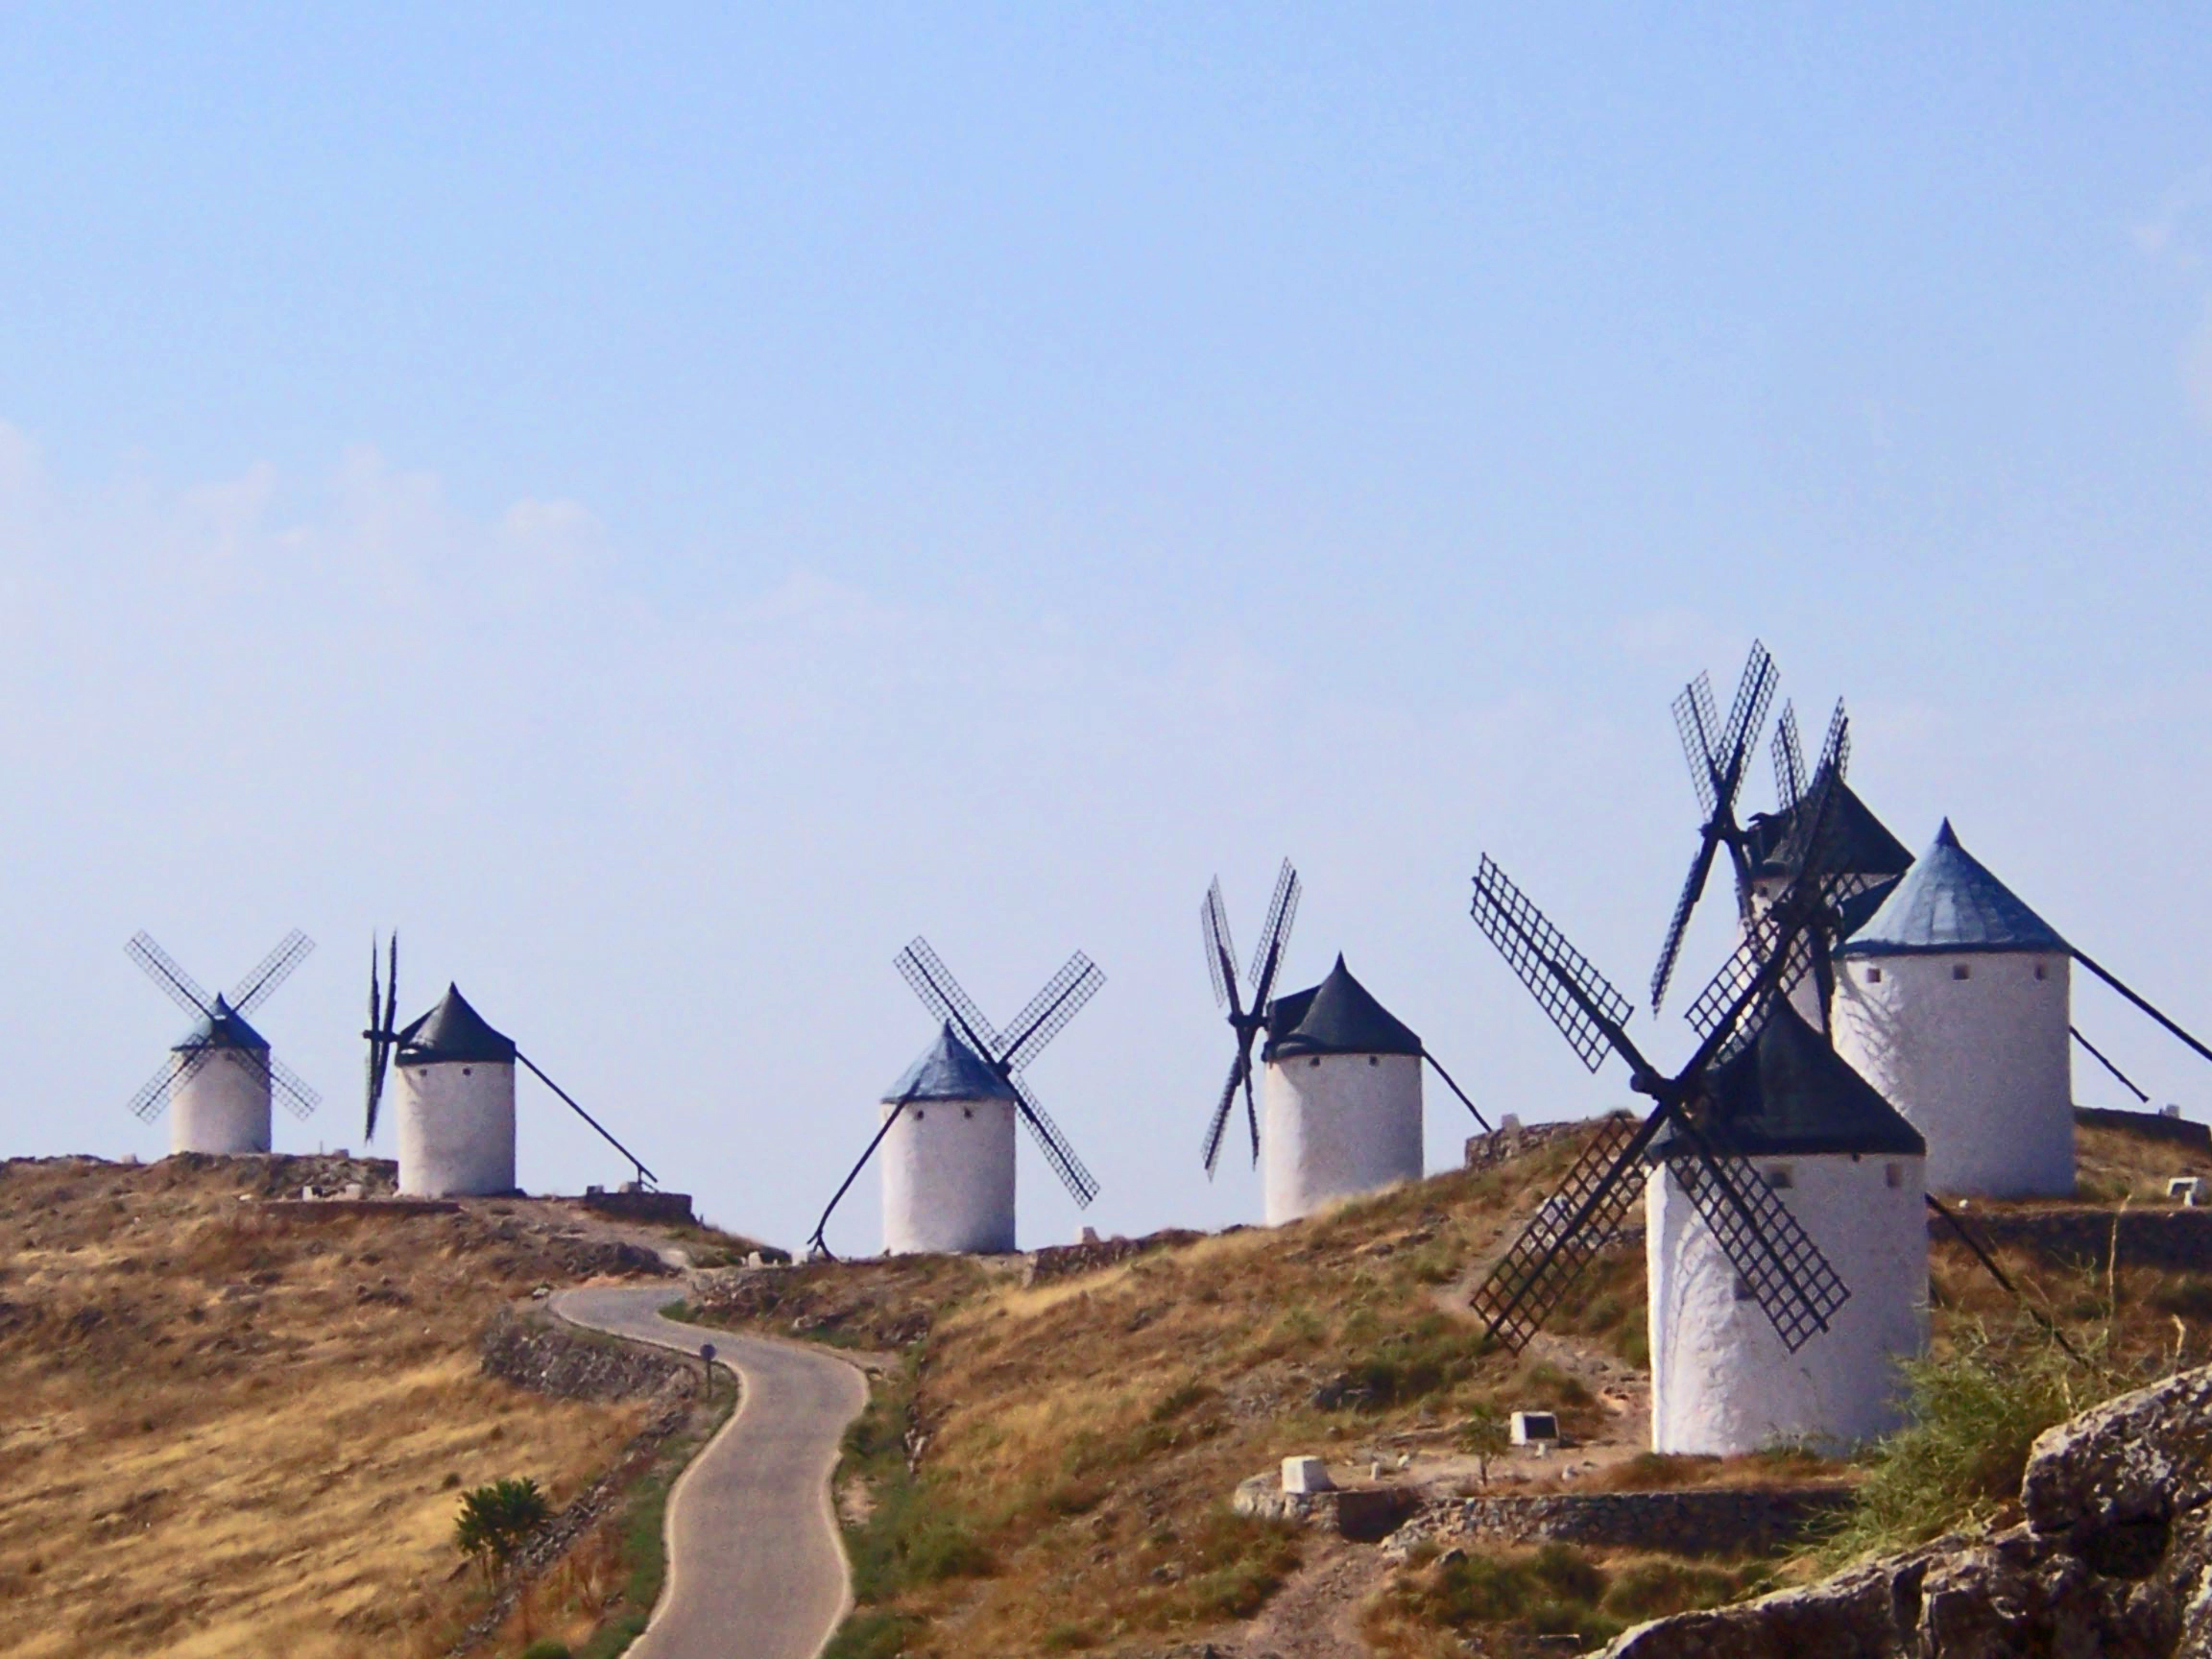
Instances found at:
x=755 y=1568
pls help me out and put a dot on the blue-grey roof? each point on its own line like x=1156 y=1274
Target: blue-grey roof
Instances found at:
x=1339 y=1015
x=454 y=1032
x=1852 y=839
x=1789 y=1095
x=949 y=1070
x=225 y=1027
x=1948 y=904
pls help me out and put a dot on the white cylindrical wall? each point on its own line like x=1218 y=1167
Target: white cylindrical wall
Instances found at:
x=1972 y=1049
x=1722 y=1383
x=457 y=1129
x=949 y=1178
x=1335 y=1125
x=223 y=1108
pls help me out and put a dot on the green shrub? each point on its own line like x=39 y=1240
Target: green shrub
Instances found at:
x=547 y=1649
x=495 y=1519
x=1972 y=1415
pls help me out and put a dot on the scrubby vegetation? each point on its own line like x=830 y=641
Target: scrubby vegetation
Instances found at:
x=1438 y=1600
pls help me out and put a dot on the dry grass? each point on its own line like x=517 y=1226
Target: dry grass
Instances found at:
x=228 y=1432
x=1083 y=1436
x=2111 y=1164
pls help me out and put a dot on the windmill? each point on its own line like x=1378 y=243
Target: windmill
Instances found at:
x=1245 y=1020
x=456 y=1092
x=1718 y=756
x=973 y=1063
x=221 y=1108
x=1776 y=1260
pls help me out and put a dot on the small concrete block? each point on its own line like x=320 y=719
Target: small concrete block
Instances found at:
x=1534 y=1428
x=1301 y=1475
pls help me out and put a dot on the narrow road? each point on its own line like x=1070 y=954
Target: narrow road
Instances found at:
x=755 y=1568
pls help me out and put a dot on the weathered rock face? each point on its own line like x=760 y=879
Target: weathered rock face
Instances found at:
x=2114 y=1560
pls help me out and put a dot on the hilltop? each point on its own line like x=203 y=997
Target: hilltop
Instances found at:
x=1049 y=1462
x=236 y=1427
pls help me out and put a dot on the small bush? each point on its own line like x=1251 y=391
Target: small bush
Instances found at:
x=547 y=1649
x=1973 y=1415
x=495 y=1519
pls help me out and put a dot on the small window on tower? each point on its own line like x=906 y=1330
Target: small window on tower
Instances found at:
x=917 y=1114
x=1742 y=1288
x=1892 y=1175
x=1315 y=1061
x=1873 y=975
x=1959 y=971
x=967 y=1110
x=1778 y=1178
x=1374 y=1060
x=2042 y=970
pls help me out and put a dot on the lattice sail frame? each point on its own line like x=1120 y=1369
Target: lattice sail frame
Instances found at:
x=1570 y=1231
x=1578 y=999
x=298 y=1097
x=1006 y=1054
x=1794 y=1283
x=1243 y=1020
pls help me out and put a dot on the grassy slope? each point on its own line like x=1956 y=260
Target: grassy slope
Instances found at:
x=223 y=1431
x=1077 y=1440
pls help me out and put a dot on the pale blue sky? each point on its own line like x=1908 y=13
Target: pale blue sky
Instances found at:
x=666 y=509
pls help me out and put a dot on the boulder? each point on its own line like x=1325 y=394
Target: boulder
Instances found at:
x=2114 y=1560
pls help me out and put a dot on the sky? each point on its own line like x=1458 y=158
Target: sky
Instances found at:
x=663 y=507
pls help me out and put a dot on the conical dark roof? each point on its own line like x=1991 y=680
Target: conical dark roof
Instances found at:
x=1948 y=904
x=1789 y=1095
x=453 y=1031
x=225 y=1027
x=1860 y=843
x=1337 y=1016
x=949 y=1070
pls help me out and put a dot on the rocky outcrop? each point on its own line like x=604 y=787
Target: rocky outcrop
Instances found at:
x=2114 y=1559
x=567 y=1365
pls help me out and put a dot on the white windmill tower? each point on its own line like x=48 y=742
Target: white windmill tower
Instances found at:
x=1810 y=1128
x=948 y=1154
x=456 y=1103
x=1861 y=856
x=456 y=1093
x=1953 y=1000
x=1778 y=1170
x=1343 y=1083
x=1339 y=1098
x=947 y=1125
x=219 y=1078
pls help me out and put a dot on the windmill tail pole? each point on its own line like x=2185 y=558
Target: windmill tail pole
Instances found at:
x=1998 y=1273
x=2142 y=1004
x=644 y=1174
x=816 y=1241
x=1456 y=1089
x=2098 y=1054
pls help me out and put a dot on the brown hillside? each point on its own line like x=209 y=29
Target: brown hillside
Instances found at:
x=1073 y=1443
x=229 y=1429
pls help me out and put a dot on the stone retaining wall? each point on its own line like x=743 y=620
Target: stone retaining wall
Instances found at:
x=665 y=1209
x=1062 y=1261
x=1718 y=1520
x=1365 y=1513
x=2176 y=1239
x=567 y=1365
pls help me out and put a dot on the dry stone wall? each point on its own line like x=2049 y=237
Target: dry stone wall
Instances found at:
x=567 y=1364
